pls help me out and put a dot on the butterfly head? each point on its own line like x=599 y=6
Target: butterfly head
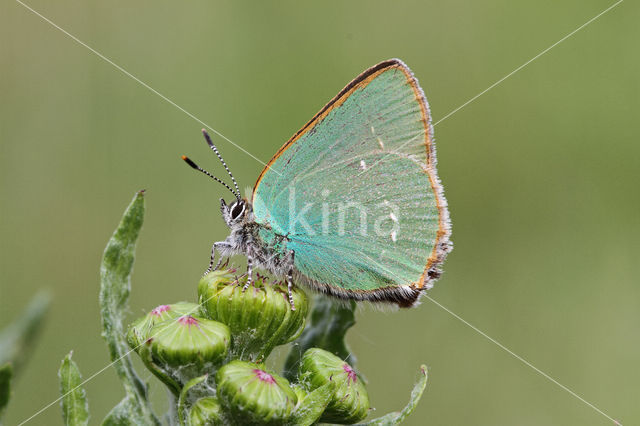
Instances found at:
x=234 y=213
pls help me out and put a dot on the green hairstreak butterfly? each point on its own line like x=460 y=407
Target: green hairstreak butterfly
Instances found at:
x=351 y=206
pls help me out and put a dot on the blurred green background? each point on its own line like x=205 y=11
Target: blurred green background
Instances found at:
x=541 y=174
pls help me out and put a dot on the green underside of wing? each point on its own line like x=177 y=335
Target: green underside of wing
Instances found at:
x=352 y=194
x=355 y=243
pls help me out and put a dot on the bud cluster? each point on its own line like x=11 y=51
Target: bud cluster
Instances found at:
x=211 y=356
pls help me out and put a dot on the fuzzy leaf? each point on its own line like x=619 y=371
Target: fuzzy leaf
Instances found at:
x=75 y=409
x=311 y=408
x=115 y=286
x=17 y=339
x=327 y=328
x=128 y=413
x=396 y=418
x=182 y=400
x=6 y=371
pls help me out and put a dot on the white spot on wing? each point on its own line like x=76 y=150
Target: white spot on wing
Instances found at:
x=373 y=132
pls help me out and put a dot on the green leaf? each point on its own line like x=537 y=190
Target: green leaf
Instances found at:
x=127 y=413
x=6 y=371
x=75 y=409
x=17 y=339
x=312 y=406
x=16 y=342
x=327 y=327
x=396 y=418
x=182 y=400
x=115 y=280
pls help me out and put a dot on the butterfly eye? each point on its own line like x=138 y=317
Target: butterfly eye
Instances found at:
x=237 y=210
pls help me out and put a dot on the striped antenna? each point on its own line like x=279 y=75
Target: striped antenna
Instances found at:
x=200 y=169
x=215 y=149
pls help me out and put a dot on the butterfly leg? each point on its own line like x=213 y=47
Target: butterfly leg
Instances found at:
x=290 y=280
x=219 y=244
x=249 y=273
x=290 y=288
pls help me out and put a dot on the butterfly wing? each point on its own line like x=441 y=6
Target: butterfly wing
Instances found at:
x=356 y=192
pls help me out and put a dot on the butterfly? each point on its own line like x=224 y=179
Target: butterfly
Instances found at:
x=351 y=206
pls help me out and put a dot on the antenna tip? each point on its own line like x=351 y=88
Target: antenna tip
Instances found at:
x=189 y=162
x=207 y=137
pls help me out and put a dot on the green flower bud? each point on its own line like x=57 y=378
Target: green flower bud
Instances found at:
x=190 y=340
x=139 y=330
x=253 y=396
x=260 y=318
x=205 y=412
x=189 y=346
x=350 y=402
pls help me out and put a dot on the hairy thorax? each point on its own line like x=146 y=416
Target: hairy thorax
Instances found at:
x=267 y=248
